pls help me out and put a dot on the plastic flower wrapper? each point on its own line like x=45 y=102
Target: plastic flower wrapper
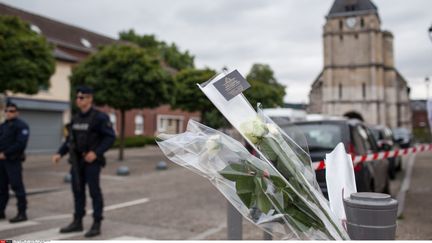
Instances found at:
x=253 y=186
x=280 y=151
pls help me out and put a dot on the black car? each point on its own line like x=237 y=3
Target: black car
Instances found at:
x=323 y=136
x=384 y=137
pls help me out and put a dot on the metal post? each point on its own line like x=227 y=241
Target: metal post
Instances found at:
x=371 y=216
x=234 y=223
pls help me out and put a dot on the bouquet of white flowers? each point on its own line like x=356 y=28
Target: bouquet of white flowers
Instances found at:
x=252 y=185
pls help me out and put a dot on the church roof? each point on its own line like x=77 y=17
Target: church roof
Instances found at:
x=351 y=7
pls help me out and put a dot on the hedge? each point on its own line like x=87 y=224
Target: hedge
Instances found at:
x=136 y=141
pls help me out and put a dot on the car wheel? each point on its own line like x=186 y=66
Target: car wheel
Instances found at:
x=392 y=170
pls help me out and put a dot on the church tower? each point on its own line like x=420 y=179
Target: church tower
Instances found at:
x=359 y=78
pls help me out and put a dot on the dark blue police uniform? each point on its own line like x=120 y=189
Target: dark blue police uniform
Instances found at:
x=14 y=136
x=90 y=131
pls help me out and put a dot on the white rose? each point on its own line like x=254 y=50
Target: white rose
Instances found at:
x=213 y=144
x=254 y=130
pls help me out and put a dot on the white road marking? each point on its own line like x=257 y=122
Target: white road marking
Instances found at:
x=405 y=184
x=207 y=233
x=126 y=237
x=107 y=208
x=50 y=234
x=7 y=226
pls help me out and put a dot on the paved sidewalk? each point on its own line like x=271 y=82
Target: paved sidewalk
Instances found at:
x=416 y=220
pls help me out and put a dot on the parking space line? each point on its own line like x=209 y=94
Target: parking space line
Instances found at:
x=209 y=232
x=126 y=237
x=106 y=209
x=7 y=226
x=50 y=234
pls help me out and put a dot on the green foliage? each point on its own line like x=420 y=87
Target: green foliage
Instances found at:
x=422 y=135
x=136 y=141
x=26 y=58
x=125 y=77
x=169 y=53
x=264 y=87
x=190 y=98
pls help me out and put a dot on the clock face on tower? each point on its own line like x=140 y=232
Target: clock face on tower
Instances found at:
x=350 y=22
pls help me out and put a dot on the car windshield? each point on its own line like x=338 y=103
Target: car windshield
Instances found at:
x=376 y=133
x=319 y=136
x=400 y=132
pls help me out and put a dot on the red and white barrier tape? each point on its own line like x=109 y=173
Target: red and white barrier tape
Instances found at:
x=319 y=165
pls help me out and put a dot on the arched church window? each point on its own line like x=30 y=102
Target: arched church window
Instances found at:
x=362 y=22
x=340 y=91
x=340 y=24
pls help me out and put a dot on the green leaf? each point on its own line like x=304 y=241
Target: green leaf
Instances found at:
x=233 y=172
x=245 y=185
x=263 y=203
x=246 y=199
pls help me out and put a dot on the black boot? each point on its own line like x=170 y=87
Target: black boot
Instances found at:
x=75 y=226
x=19 y=218
x=94 y=230
x=2 y=215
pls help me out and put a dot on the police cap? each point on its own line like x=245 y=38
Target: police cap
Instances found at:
x=85 y=90
x=11 y=104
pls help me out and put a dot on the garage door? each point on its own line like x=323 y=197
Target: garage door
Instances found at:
x=46 y=130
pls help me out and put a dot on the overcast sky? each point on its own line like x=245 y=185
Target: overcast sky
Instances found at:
x=286 y=34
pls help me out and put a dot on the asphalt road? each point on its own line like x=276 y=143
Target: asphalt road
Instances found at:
x=172 y=204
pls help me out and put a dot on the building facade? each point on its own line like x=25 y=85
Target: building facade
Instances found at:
x=359 y=78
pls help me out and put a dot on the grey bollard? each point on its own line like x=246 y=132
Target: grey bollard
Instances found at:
x=371 y=216
x=123 y=171
x=67 y=178
x=161 y=165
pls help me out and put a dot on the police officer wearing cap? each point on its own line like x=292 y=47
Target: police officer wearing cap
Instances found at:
x=91 y=135
x=14 y=134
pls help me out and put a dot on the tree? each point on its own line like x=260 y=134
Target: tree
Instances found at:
x=190 y=98
x=264 y=87
x=26 y=58
x=169 y=53
x=125 y=77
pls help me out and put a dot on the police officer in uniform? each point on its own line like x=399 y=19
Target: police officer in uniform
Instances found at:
x=14 y=134
x=91 y=135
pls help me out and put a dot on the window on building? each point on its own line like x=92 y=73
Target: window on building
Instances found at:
x=340 y=91
x=364 y=90
x=341 y=37
x=169 y=124
x=340 y=24
x=139 y=125
x=362 y=22
x=356 y=36
x=349 y=7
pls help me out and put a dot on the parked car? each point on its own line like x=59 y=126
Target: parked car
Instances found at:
x=323 y=136
x=403 y=137
x=384 y=137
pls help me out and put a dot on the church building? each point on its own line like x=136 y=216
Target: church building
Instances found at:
x=359 y=78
